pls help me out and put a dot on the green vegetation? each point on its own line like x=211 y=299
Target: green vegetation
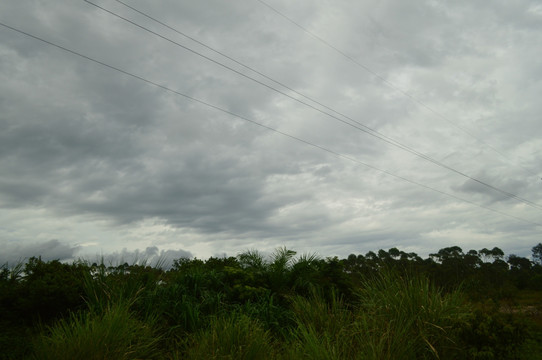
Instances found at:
x=385 y=305
x=115 y=334
x=231 y=337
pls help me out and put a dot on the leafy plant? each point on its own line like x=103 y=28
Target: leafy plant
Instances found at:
x=490 y=334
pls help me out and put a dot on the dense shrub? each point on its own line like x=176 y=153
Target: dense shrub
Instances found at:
x=493 y=335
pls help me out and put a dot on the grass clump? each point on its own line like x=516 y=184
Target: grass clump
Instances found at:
x=397 y=317
x=406 y=317
x=115 y=334
x=324 y=329
x=232 y=337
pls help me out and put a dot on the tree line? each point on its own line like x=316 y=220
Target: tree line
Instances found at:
x=478 y=304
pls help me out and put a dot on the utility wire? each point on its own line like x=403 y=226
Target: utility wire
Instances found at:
x=293 y=137
x=361 y=126
x=391 y=85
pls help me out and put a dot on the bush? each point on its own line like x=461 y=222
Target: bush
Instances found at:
x=48 y=290
x=492 y=335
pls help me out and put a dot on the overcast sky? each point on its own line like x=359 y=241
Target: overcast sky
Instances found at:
x=96 y=161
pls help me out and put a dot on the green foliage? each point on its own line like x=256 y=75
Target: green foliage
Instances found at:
x=395 y=318
x=492 y=335
x=271 y=314
x=532 y=347
x=537 y=253
x=384 y=305
x=232 y=337
x=279 y=270
x=407 y=317
x=115 y=334
x=324 y=329
x=179 y=312
x=253 y=260
x=13 y=331
x=14 y=340
x=535 y=282
x=48 y=290
x=520 y=271
x=304 y=274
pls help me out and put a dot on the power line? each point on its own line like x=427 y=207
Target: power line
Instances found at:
x=362 y=127
x=391 y=85
x=293 y=137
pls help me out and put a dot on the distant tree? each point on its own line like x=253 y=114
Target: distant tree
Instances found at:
x=384 y=256
x=353 y=263
x=452 y=269
x=472 y=259
x=491 y=255
x=394 y=253
x=372 y=259
x=519 y=263
x=452 y=253
x=218 y=263
x=497 y=253
x=520 y=270
x=352 y=259
x=537 y=253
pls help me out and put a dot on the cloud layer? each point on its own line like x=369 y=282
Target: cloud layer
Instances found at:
x=91 y=156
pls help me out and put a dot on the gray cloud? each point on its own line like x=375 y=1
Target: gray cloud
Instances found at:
x=48 y=250
x=150 y=256
x=84 y=147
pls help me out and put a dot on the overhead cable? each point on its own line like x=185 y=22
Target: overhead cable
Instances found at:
x=293 y=137
x=393 y=86
x=361 y=126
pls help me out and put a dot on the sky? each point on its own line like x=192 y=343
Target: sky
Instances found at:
x=328 y=127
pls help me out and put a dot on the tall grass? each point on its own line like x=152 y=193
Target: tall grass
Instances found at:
x=396 y=318
x=407 y=317
x=115 y=334
x=323 y=330
x=232 y=337
x=110 y=328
